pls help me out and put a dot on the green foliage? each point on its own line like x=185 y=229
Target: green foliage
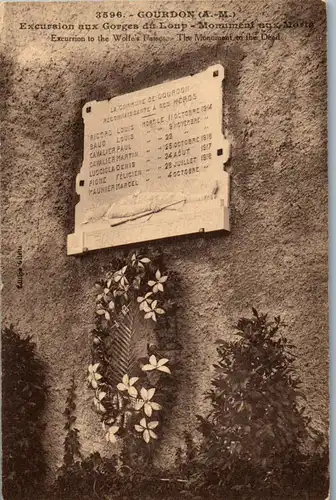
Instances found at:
x=254 y=436
x=23 y=401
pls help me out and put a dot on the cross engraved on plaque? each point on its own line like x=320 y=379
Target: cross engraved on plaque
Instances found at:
x=153 y=165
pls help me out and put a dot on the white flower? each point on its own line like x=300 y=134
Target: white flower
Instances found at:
x=105 y=301
x=119 y=276
x=110 y=435
x=111 y=305
x=93 y=375
x=97 y=401
x=146 y=402
x=157 y=365
x=147 y=429
x=152 y=310
x=157 y=285
x=135 y=261
x=105 y=295
x=100 y=311
x=127 y=385
x=144 y=301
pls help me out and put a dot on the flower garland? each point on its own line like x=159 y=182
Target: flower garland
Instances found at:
x=133 y=298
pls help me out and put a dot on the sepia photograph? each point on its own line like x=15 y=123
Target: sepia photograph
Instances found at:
x=164 y=250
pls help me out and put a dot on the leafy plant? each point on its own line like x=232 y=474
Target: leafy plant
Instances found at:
x=24 y=393
x=66 y=484
x=71 y=443
x=254 y=434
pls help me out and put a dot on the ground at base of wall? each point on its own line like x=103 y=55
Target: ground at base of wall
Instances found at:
x=174 y=497
x=141 y=494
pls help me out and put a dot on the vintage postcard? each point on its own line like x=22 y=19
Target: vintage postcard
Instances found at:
x=164 y=249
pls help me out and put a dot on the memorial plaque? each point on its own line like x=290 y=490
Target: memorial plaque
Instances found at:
x=153 y=165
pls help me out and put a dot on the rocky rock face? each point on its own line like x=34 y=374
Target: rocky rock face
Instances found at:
x=274 y=258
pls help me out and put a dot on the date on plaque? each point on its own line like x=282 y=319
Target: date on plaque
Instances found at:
x=153 y=165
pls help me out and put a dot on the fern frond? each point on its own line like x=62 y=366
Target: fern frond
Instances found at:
x=127 y=343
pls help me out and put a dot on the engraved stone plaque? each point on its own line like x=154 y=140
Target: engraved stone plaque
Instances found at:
x=153 y=165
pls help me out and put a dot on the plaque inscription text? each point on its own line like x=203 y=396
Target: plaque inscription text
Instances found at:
x=153 y=165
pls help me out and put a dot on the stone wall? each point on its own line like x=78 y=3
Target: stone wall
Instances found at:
x=275 y=257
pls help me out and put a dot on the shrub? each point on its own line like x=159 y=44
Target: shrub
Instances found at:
x=23 y=401
x=254 y=436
